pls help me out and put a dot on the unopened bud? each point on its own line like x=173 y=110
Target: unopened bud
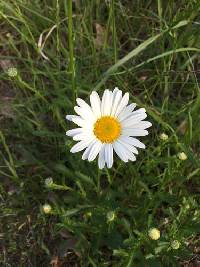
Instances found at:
x=154 y=233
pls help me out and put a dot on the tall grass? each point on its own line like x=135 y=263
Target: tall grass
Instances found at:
x=71 y=48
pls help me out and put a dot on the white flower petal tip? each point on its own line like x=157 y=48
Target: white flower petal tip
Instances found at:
x=148 y=124
x=69 y=117
x=107 y=126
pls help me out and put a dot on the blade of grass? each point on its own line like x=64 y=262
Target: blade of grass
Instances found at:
x=178 y=50
x=10 y=163
x=114 y=34
x=71 y=48
x=135 y=52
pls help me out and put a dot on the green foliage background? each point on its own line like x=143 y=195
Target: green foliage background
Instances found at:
x=147 y=48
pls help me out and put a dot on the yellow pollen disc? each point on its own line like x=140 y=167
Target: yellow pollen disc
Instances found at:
x=107 y=129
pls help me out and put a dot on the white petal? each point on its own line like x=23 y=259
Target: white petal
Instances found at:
x=74 y=132
x=116 y=89
x=79 y=137
x=133 y=119
x=70 y=117
x=83 y=136
x=127 y=152
x=103 y=102
x=132 y=141
x=142 y=125
x=127 y=145
x=130 y=155
x=94 y=151
x=137 y=115
x=88 y=149
x=132 y=149
x=123 y=103
x=101 y=159
x=139 y=111
x=80 y=146
x=95 y=104
x=83 y=123
x=134 y=132
x=84 y=105
x=105 y=105
x=120 y=151
x=109 y=155
x=85 y=113
x=117 y=96
x=126 y=112
x=110 y=102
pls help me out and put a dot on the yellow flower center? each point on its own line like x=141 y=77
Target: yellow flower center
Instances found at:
x=107 y=129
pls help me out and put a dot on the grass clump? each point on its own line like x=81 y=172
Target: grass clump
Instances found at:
x=82 y=216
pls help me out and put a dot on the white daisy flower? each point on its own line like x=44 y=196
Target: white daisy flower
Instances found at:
x=108 y=124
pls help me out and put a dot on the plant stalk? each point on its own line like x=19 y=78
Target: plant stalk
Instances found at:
x=71 y=49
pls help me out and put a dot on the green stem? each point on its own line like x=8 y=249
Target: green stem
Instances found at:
x=71 y=49
x=98 y=180
x=57 y=28
x=160 y=12
x=114 y=35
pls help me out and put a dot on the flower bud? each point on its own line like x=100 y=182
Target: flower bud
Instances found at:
x=154 y=233
x=88 y=214
x=175 y=244
x=46 y=208
x=111 y=216
x=48 y=181
x=12 y=72
x=182 y=156
x=163 y=136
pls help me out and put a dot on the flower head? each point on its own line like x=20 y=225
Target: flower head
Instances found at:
x=108 y=125
x=46 y=208
x=12 y=72
x=182 y=156
x=48 y=181
x=8 y=35
x=111 y=215
x=163 y=136
x=175 y=244
x=154 y=233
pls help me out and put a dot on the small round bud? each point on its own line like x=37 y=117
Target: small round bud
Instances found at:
x=11 y=192
x=163 y=136
x=182 y=156
x=48 y=181
x=8 y=34
x=175 y=244
x=154 y=233
x=12 y=72
x=111 y=216
x=187 y=206
x=46 y=208
x=88 y=214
